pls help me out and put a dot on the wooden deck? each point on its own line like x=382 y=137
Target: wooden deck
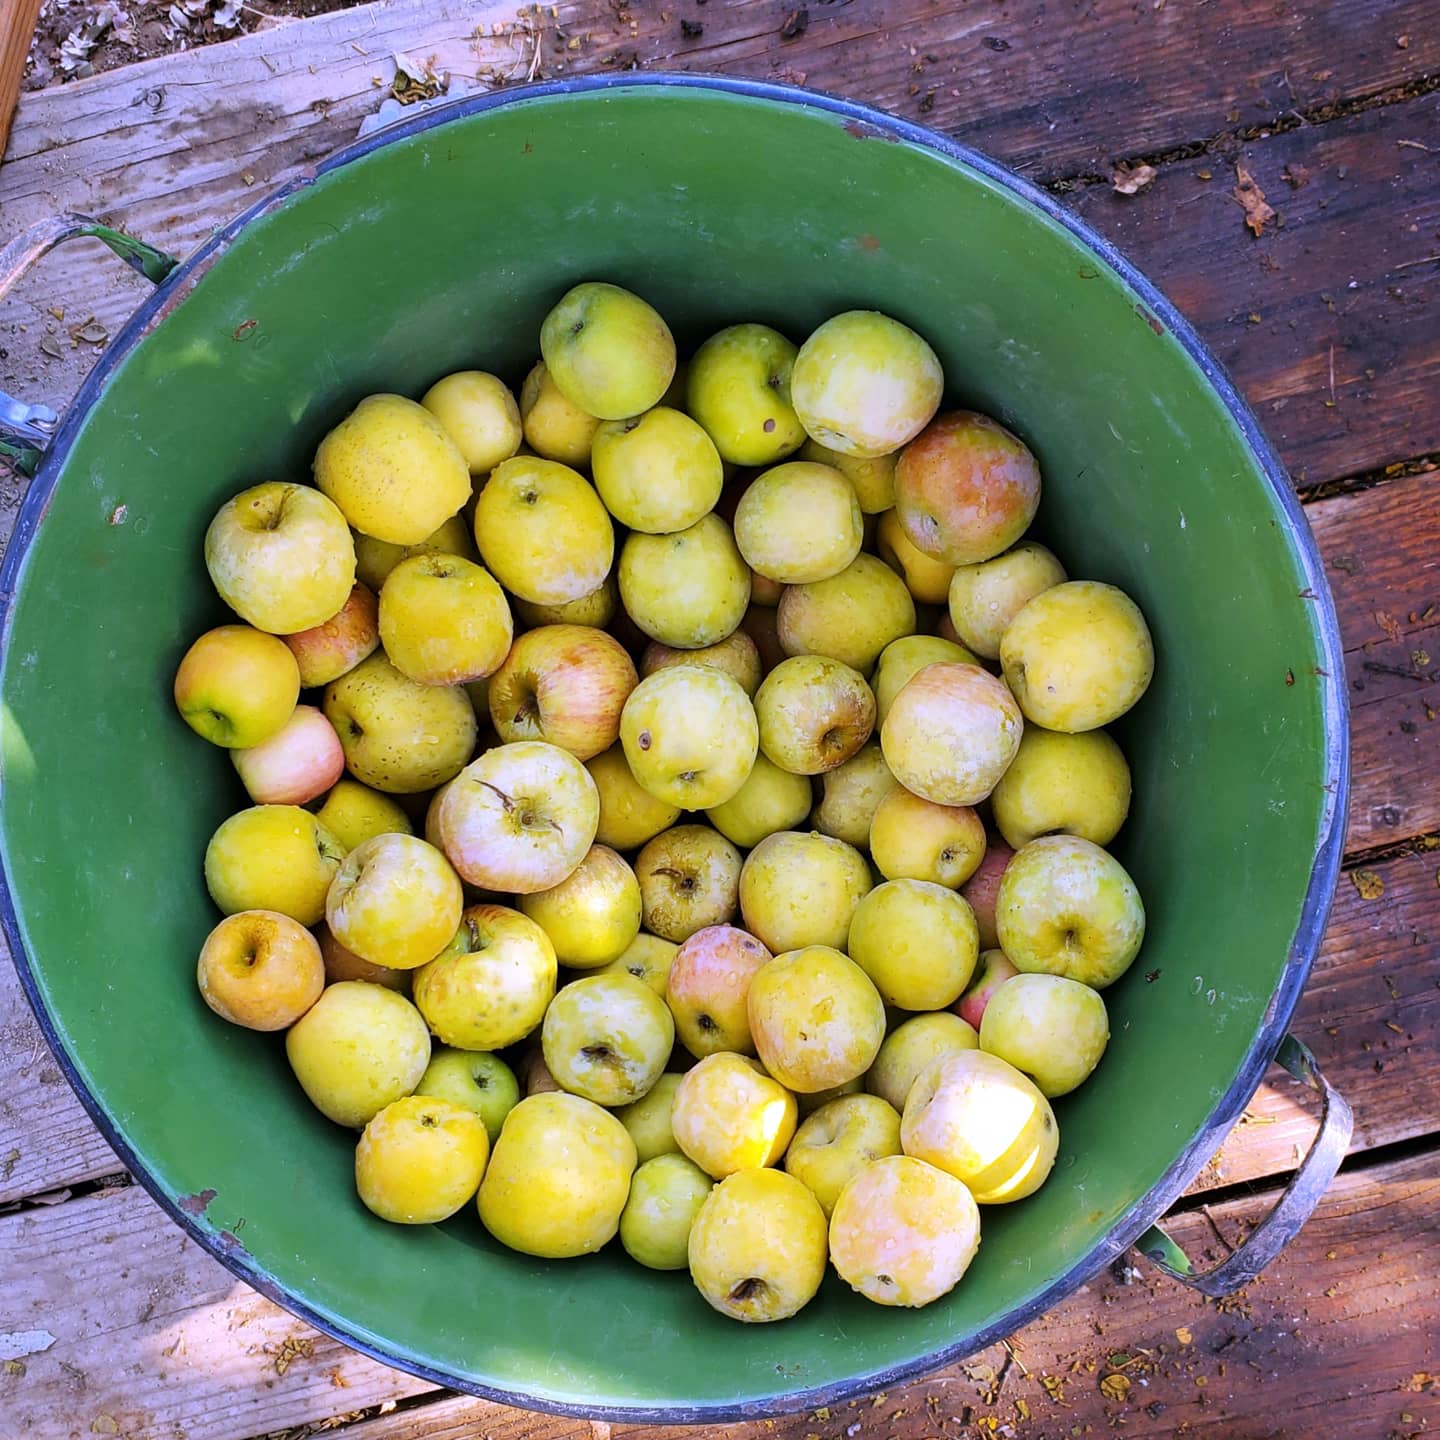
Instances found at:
x=113 y=1324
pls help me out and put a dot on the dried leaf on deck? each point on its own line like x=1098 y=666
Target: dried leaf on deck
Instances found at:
x=1251 y=198
x=1389 y=624
x=1115 y=1387
x=1368 y=883
x=1131 y=179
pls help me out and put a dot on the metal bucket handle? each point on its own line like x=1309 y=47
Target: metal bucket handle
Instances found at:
x=1301 y=1196
x=26 y=430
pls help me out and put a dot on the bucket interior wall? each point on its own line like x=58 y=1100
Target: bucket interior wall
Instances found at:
x=443 y=251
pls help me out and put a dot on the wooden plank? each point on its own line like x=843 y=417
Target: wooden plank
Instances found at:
x=17 y=26
x=173 y=146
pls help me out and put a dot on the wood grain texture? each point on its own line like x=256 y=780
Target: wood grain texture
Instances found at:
x=17 y=27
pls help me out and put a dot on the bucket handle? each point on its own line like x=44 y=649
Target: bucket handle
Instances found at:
x=26 y=430
x=1301 y=1195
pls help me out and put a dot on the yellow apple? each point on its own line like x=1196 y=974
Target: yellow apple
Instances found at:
x=598 y=608
x=444 y=620
x=272 y=857
x=260 y=969
x=983 y=599
x=707 y=989
x=358 y=1048
x=851 y=617
x=850 y=794
x=354 y=813
x=798 y=890
x=542 y=531
x=736 y=655
x=554 y=428
x=816 y=1018
x=607 y=1037
x=648 y=1119
x=558 y=1178
x=903 y=659
x=420 y=1159
x=771 y=799
x=325 y=652
x=647 y=958
x=658 y=472
x=489 y=987
x=758 y=1246
x=629 y=814
x=392 y=470
x=607 y=350
x=915 y=839
x=399 y=736
x=798 y=522
x=837 y=1141
x=1062 y=784
x=237 y=686
x=375 y=559
x=904 y=1233
x=729 y=1115
x=593 y=915
x=689 y=878
x=982 y=1121
x=814 y=713
x=689 y=589
x=395 y=901
x=917 y=942
x=1052 y=1029
x=690 y=735
x=873 y=477
x=738 y=388
x=927 y=579
x=910 y=1047
x=479 y=414
x=281 y=557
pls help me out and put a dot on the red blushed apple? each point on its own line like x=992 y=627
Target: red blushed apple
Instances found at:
x=328 y=651
x=303 y=761
x=707 y=988
x=564 y=684
x=982 y=889
x=343 y=964
x=965 y=488
x=992 y=971
x=260 y=969
x=762 y=625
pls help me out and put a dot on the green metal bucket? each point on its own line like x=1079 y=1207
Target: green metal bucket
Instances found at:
x=437 y=245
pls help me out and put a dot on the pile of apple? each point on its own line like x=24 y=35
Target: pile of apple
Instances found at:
x=679 y=906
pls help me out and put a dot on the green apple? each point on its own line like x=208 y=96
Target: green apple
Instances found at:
x=903 y=659
x=979 y=1119
x=629 y=814
x=801 y=889
x=873 y=477
x=917 y=942
x=393 y=471
x=864 y=384
x=1078 y=656
x=1067 y=907
x=729 y=1115
x=926 y=578
x=479 y=414
x=666 y=1194
x=992 y=970
x=850 y=794
x=356 y=1049
x=658 y=472
x=738 y=388
x=708 y=986
x=398 y=735
x=910 y=1047
x=272 y=857
x=444 y=620
x=690 y=736
x=260 y=970
x=816 y=1018
x=851 y=617
x=965 y=489
x=607 y=1037
x=771 y=799
x=689 y=589
x=420 y=1159
x=474 y=1079
x=983 y=599
x=490 y=986
x=736 y=655
x=904 y=1233
x=558 y=1177
x=915 y=839
x=593 y=915
x=798 y=522
x=237 y=686
x=1053 y=1029
x=951 y=733
x=689 y=878
x=607 y=350
x=542 y=531
x=647 y=958
x=281 y=557
x=648 y=1119
x=554 y=428
x=395 y=901
x=814 y=713
x=1062 y=784
x=836 y=1142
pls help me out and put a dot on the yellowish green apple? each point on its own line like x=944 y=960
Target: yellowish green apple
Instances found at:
x=851 y=617
x=910 y=1047
x=927 y=579
x=798 y=522
x=237 y=686
x=479 y=414
x=607 y=1037
x=272 y=857
x=648 y=958
x=850 y=794
x=771 y=799
x=738 y=388
x=375 y=559
x=395 y=901
x=1053 y=1029
x=689 y=878
x=474 y=1079
x=629 y=814
x=917 y=942
x=666 y=1194
x=444 y=620
x=984 y=598
x=658 y=472
x=915 y=839
x=873 y=477
x=607 y=350
x=420 y=1159
x=554 y=428
x=814 y=713
x=354 y=813
x=836 y=1142
x=597 y=608
x=687 y=590
x=1062 y=784
x=801 y=889
x=648 y=1119
x=593 y=915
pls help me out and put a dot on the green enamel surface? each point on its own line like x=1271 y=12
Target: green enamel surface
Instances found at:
x=444 y=251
